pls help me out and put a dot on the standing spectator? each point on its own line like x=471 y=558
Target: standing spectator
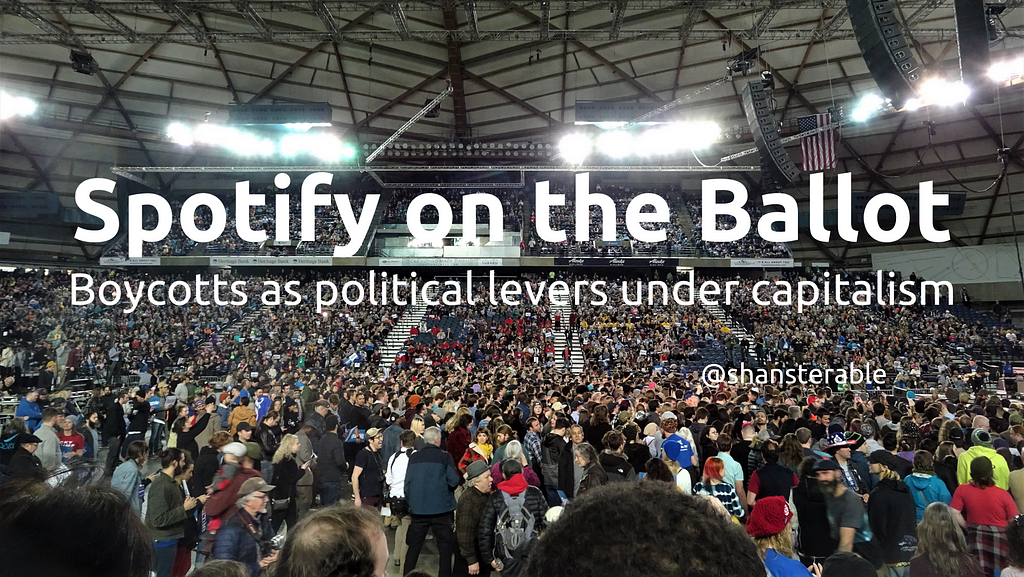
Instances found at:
x=114 y=429
x=127 y=478
x=981 y=446
x=478 y=451
x=24 y=463
x=512 y=518
x=469 y=556
x=187 y=433
x=847 y=514
x=891 y=513
x=553 y=446
x=769 y=525
x=613 y=461
x=223 y=503
x=458 y=435
x=941 y=549
x=925 y=486
x=241 y=414
x=208 y=462
x=138 y=419
x=49 y=452
x=368 y=472
x=594 y=474
x=266 y=437
x=287 y=473
x=304 y=488
x=72 y=443
x=984 y=510
x=713 y=485
x=532 y=444
x=166 y=511
x=330 y=463
x=398 y=465
x=89 y=429
x=430 y=484
x=29 y=411
x=240 y=537
x=771 y=480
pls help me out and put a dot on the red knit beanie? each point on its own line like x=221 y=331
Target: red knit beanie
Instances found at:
x=769 y=517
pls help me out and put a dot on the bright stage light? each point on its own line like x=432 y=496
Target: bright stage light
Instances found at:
x=675 y=137
x=326 y=147
x=304 y=126
x=15 y=106
x=575 y=148
x=180 y=134
x=1007 y=71
x=616 y=144
x=943 y=92
x=701 y=134
x=869 y=106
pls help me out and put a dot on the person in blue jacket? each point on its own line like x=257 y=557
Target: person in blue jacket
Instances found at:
x=925 y=487
x=29 y=410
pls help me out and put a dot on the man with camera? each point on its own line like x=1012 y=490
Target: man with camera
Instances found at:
x=247 y=536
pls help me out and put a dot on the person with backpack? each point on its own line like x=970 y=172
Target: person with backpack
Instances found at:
x=511 y=521
x=397 y=466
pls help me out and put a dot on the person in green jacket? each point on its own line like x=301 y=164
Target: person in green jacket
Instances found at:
x=167 y=510
x=982 y=447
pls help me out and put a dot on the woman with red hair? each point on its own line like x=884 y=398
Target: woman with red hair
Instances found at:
x=711 y=485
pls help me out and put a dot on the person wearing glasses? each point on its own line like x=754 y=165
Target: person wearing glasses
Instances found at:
x=241 y=536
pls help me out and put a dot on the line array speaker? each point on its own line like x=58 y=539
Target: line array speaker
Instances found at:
x=884 y=47
x=765 y=130
x=972 y=43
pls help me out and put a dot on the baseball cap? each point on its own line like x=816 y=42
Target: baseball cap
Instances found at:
x=243 y=427
x=557 y=407
x=372 y=433
x=826 y=465
x=668 y=415
x=884 y=458
x=253 y=485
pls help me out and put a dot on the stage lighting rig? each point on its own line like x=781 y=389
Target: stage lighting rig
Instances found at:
x=82 y=63
x=744 y=62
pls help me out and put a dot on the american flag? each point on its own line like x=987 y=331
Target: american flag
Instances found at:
x=819 y=150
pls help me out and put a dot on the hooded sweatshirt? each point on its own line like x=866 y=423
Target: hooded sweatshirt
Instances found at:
x=927 y=489
x=1000 y=469
x=891 y=513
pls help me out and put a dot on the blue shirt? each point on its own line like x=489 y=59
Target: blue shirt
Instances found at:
x=782 y=566
x=31 y=410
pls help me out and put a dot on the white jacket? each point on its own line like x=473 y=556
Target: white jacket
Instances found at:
x=398 y=464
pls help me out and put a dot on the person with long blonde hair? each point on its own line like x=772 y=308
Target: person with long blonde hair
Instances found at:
x=287 y=472
x=770 y=526
x=941 y=548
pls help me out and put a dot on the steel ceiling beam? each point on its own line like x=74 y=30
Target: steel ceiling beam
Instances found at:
x=172 y=9
x=766 y=17
x=400 y=21
x=253 y=17
x=618 y=15
x=455 y=71
x=32 y=15
x=220 y=63
x=97 y=10
x=472 y=19
x=922 y=11
x=325 y=16
x=442 y=36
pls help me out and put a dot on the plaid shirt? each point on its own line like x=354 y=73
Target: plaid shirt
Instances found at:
x=533 y=451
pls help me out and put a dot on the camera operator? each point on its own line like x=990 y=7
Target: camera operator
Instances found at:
x=247 y=536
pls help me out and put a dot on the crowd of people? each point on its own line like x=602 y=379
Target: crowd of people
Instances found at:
x=750 y=246
x=511 y=199
x=480 y=437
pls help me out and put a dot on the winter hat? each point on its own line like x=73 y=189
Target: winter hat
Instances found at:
x=414 y=400
x=769 y=516
x=236 y=449
x=980 y=437
x=253 y=451
x=981 y=467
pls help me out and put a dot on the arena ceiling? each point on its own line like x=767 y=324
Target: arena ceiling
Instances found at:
x=517 y=69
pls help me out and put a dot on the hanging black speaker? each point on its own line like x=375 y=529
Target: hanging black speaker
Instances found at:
x=765 y=130
x=884 y=47
x=972 y=44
